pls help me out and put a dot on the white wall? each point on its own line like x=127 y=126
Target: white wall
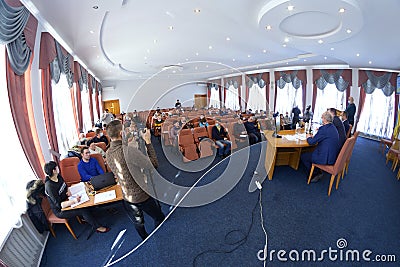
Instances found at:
x=143 y=95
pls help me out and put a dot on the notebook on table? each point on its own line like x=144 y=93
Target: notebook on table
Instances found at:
x=103 y=180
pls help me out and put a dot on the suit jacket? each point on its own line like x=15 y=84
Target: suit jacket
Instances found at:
x=327 y=149
x=219 y=135
x=346 y=125
x=340 y=129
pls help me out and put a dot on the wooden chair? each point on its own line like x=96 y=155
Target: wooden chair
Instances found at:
x=52 y=218
x=69 y=170
x=90 y=135
x=100 y=160
x=386 y=143
x=392 y=153
x=102 y=145
x=350 y=152
x=336 y=169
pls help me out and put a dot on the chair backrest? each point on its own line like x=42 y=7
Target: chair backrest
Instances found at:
x=90 y=134
x=184 y=140
x=341 y=159
x=351 y=147
x=185 y=132
x=102 y=145
x=69 y=170
x=199 y=132
x=100 y=160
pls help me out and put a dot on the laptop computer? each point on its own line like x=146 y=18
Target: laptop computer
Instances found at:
x=103 y=180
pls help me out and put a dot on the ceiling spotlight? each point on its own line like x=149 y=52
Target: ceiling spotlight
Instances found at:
x=290 y=8
x=210 y=47
x=228 y=39
x=284 y=45
x=286 y=40
x=197 y=10
x=95 y=7
x=171 y=28
x=325 y=58
x=341 y=10
x=357 y=54
x=197 y=53
x=370 y=62
x=332 y=48
x=264 y=51
x=187 y=59
x=94 y=46
x=320 y=41
x=248 y=55
x=196 y=68
x=91 y=31
x=155 y=41
x=287 y=63
x=206 y=66
x=145 y=58
x=268 y=27
x=304 y=60
x=348 y=31
x=233 y=59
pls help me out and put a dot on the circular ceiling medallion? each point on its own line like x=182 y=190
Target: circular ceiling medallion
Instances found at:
x=310 y=24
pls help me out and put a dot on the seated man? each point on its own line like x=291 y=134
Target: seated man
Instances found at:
x=220 y=136
x=345 y=121
x=327 y=150
x=339 y=127
x=88 y=167
x=93 y=149
x=99 y=137
x=252 y=130
x=174 y=132
x=203 y=121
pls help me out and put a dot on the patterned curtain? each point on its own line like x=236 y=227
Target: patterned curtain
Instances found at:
x=332 y=78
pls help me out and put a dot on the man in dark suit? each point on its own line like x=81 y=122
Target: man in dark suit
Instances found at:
x=327 y=150
x=339 y=127
x=351 y=110
x=345 y=121
x=221 y=138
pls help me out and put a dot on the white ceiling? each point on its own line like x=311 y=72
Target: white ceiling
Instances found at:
x=127 y=40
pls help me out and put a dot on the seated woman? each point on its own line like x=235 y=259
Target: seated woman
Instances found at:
x=203 y=121
x=57 y=192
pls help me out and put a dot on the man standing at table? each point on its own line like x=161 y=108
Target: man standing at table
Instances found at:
x=351 y=110
x=327 y=150
x=136 y=200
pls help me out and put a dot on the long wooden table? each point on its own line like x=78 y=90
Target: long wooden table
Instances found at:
x=90 y=203
x=281 y=151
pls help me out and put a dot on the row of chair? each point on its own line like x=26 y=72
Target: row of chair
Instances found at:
x=341 y=166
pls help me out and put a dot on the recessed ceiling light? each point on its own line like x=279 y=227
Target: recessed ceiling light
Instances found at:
x=210 y=47
x=94 y=46
x=332 y=48
x=284 y=45
x=155 y=41
x=320 y=41
x=325 y=58
x=342 y=10
x=370 y=62
x=148 y=51
x=248 y=55
x=98 y=56
x=286 y=40
x=290 y=8
x=268 y=27
x=265 y=51
x=197 y=53
x=174 y=71
x=287 y=63
x=196 y=68
x=171 y=28
x=145 y=58
x=233 y=59
x=304 y=60
x=197 y=10
x=187 y=59
x=228 y=39
x=91 y=31
x=95 y=7
x=206 y=66
x=348 y=31
x=357 y=54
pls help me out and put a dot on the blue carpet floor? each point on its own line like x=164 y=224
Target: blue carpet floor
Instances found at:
x=363 y=214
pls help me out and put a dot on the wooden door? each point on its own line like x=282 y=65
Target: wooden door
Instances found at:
x=112 y=106
x=200 y=101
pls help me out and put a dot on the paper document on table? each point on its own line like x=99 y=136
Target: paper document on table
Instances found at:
x=78 y=190
x=302 y=137
x=105 y=196
x=290 y=137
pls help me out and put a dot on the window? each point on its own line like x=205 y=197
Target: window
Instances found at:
x=214 y=98
x=377 y=115
x=63 y=115
x=14 y=177
x=287 y=98
x=87 y=122
x=232 y=98
x=95 y=117
x=330 y=97
x=257 y=99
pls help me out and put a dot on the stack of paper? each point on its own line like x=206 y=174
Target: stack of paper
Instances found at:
x=105 y=196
